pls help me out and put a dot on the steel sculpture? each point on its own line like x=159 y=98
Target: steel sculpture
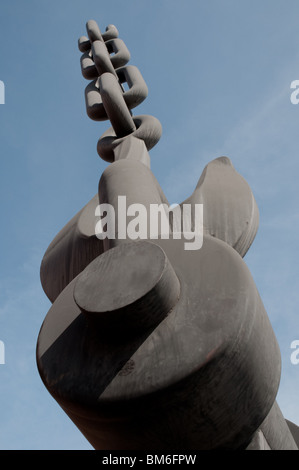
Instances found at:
x=149 y=345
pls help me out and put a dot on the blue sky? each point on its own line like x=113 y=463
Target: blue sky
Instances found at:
x=219 y=75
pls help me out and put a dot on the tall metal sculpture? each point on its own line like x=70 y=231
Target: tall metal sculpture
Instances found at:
x=149 y=345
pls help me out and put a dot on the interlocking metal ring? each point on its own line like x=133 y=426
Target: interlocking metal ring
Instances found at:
x=111 y=32
x=134 y=96
x=148 y=129
x=105 y=96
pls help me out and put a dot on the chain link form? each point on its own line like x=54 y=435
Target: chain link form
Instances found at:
x=104 y=61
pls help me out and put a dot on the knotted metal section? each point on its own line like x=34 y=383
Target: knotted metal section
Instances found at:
x=104 y=62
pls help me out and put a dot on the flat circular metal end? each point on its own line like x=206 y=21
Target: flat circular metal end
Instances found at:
x=132 y=286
